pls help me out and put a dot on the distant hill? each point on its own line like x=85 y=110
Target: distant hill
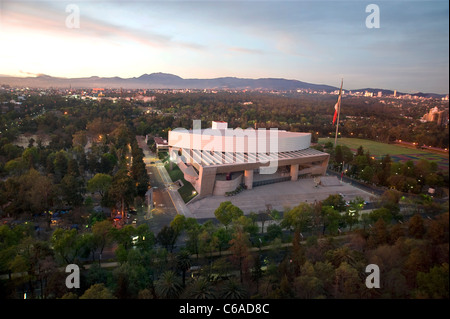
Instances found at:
x=171 y=81
x=162 y=81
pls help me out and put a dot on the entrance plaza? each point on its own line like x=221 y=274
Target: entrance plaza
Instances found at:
x=280 y=196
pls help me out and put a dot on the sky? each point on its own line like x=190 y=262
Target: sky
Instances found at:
x=313 y=41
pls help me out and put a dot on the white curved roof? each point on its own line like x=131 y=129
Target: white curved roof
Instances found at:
x=240 y=141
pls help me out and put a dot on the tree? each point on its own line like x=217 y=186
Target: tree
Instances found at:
x=72 y=189
x=418 y=260
x=239 y=248
x=382 y=213
x=246 y=224
x=273 y=231
x=67 y=245
x=257 y=272
x=167 y=237
x=367 y=174
x=434 y=284
x=263 y=217
x=330 y=220
x=233 y=290
x=60 y=164
x=102 y=235
x=146 y=238
x=223 y=236
x=351 y=216
x=308 y=286
x=298 y=218
x=123 y=236
x=416 y=226
x=335 y=201
x=378 y=234
x=31 y=157
x=41 y=193
x=297 y=253
x=97 y=291
x=193 y=229
x=122 y=189
x=201 y=289
x=338 y=155
x=100 y=183
x=340 y=255
x=347 y=282
x=168 y=286
x=226 y=212
x=183 y=264
x=178 y=223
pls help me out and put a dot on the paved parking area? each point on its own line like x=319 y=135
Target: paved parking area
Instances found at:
x=279 y=195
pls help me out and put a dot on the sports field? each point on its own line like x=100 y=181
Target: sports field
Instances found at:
x=396 y=152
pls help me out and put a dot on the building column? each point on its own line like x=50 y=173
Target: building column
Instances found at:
x=248 y=178
x=294 y=172
x=324 y=165
x=206 y=181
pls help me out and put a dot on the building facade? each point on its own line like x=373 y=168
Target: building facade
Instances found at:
x=218 y=160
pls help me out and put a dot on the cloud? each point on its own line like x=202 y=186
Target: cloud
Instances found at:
x=30 y=73
x=44 y=19
x=246 y=50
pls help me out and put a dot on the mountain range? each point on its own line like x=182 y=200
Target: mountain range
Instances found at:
x=171 y=81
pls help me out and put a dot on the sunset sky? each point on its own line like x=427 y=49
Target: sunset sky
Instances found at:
x=312 y=41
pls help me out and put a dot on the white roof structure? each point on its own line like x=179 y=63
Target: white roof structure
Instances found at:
x=211 y=159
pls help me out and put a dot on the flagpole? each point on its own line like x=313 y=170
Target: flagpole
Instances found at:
x=339 y=111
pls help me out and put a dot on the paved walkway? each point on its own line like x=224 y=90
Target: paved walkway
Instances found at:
x=280 y=196
x=175 y=196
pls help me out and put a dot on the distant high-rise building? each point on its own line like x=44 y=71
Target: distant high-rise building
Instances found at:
x=434 y=115
x=380 y=93
x=395 y=93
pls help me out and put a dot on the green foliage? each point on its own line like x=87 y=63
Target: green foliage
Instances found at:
x=298 y=218
x=99 y=183
x=97 y=291
x=335 y=201
x=226 y=212
x=434 y=284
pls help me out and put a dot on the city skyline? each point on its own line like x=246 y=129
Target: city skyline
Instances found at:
x=316 y=42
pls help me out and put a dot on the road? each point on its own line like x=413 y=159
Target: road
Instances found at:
x=168 y=201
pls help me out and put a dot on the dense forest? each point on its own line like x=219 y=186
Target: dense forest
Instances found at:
x=236 y=260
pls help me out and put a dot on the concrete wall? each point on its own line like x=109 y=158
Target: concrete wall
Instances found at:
x=221 y=187
x=206 y=181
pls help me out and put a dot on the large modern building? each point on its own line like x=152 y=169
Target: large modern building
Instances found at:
x=219 y=159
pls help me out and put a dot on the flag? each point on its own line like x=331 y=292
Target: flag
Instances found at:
x=336 y=108
x=335 y=112
x=337 y=105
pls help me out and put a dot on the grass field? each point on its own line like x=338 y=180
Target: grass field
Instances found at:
x=397 y=153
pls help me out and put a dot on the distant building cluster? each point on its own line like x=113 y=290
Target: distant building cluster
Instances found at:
x=436 y=115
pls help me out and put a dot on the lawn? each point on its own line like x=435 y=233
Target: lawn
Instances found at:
x=186 y=191
x=397 y=152
x=375 y=148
